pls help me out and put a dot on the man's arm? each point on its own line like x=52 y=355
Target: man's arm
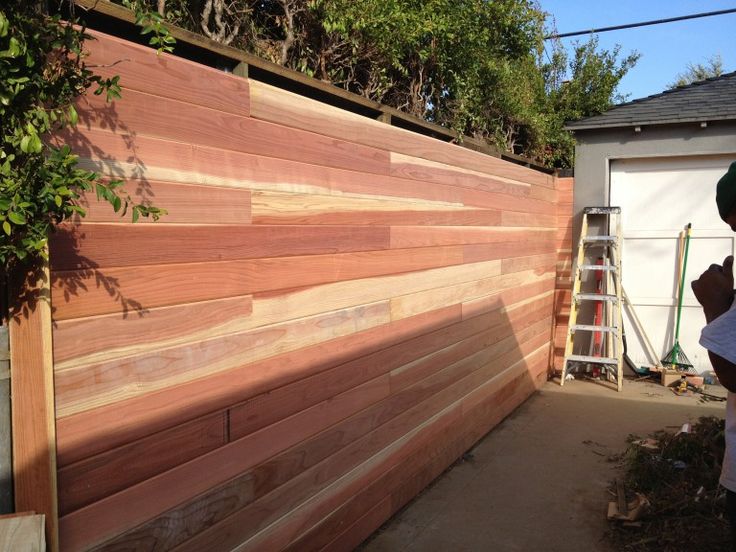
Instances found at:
x=714 y=291
x=725 y=370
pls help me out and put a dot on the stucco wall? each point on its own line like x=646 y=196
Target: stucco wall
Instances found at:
x=597 y=148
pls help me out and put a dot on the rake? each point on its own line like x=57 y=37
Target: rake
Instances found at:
x=677 y=358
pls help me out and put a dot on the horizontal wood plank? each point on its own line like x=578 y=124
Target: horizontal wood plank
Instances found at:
x=114 y=245
x=146 y=70
x=100 y=429
x=184 y=203
x=95 y=478
x=91 y=291
x=150 y=115
x=85 y=387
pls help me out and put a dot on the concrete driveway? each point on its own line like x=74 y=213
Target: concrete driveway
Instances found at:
x=538 y=481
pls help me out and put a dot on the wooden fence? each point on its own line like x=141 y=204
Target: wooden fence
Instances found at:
x=333 y=311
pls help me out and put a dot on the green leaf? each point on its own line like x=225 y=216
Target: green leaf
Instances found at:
x=6 y=227
x=73 y=116
x=57 y=200
x=16 y=218
x=25 y=144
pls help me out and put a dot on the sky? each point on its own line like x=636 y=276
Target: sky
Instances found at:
x=665 y=49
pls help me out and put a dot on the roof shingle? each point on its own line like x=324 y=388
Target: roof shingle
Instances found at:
x=708 y=100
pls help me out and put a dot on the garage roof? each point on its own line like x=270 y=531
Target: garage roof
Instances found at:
x=707 y=100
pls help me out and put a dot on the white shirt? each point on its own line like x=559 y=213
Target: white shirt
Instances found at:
x=719 y=337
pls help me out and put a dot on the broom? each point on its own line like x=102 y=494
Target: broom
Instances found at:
x=677 y=358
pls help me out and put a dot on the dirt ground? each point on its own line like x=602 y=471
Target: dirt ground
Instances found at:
x=538 y=481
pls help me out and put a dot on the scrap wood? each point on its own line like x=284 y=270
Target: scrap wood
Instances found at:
x=686 y=511
x=627 y=511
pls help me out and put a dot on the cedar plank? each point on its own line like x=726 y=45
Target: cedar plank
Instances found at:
x=417 y=236
x=100 y=429
x=142 y=114
x=362 y=528
x=393 y=419
x=228 y=533
x=278 y=403
x=118 y=245
x=474 y=253
x=130 y=507
x=79 y=337
x=428 y=217
x=413 y=168
x=151 y=159
x=95 y=478
x=85 y=387
x=479 y=198
x=89 y=292
x=184 y=203
x=144 y=69
x=277 y=105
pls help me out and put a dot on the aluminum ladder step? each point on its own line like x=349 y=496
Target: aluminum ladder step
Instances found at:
x=592 y=359
x=608 y=268
x=601 y=240
x=591 y=328
x=595 y=297
x=605 y=210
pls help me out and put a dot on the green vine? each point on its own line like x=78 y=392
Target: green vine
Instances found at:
x=42 y=72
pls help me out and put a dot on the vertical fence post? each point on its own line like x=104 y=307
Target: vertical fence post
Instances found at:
x=32 y=397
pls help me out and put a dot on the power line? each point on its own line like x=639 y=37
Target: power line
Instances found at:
x=642 y=24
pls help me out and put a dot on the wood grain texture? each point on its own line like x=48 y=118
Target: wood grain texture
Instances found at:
x=334 y=311
x=92 y=291
x=113 y=335
x=84 y=387
x=152 y=159
x=394 y=416
x=184 y=203
x=233 y=315
x=106 y=427
x=99 y=476
x=146 y=70
x=32 y=390
x=126 y=509
x=151 y=115
x=279 y=106
x=22 y=532
x=390 y=445
x=118 y=245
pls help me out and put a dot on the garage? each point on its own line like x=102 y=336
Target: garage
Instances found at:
x=658 y=197
x=660 y=158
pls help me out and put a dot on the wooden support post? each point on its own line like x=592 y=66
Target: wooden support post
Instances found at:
x=32 y=396
x=384 y=118
x=241 y=70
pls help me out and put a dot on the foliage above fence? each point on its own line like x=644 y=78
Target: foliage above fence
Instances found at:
x=42 y=72
x=475 y=66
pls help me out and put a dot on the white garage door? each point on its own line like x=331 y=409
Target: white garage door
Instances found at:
x=658 y=198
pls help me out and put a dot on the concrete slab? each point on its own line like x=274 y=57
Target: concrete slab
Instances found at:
x=538 y=481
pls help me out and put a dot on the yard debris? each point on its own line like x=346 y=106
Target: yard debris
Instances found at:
x=673 y=502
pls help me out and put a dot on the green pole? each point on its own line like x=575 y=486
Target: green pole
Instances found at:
x=682 y=285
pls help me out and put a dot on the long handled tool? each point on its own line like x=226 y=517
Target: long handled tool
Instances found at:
x=677 y=358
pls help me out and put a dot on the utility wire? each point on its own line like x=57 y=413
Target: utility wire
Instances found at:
x=642 y=24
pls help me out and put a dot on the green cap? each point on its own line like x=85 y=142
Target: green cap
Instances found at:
x=726 y=192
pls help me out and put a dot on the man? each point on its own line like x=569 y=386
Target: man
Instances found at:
x=714 y=291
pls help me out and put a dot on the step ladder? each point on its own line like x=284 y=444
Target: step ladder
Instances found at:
x=605 y=344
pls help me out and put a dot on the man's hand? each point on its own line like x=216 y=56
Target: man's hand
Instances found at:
x=714 y=289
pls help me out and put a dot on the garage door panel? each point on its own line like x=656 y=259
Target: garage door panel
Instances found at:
x=658 y=198
x=667 y=193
